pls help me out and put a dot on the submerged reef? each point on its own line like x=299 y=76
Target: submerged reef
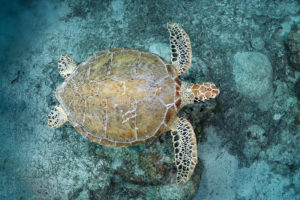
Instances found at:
x=293 y=46
x=248 y=138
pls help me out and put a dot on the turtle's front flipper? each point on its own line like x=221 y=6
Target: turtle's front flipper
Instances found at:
x=185 y=148
x=57 y=117
x=66 y=65
x=181 y=50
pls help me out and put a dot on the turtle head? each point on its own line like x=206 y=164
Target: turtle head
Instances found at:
x=196 y=93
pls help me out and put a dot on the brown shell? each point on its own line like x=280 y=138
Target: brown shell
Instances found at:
x=121 y=97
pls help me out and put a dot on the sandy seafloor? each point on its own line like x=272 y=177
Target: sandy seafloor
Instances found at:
x=248 y=138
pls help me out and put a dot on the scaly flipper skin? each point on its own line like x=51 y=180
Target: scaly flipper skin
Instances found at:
x=66 y=65
x=181 y=51
x=185 y=149
x=57 y=117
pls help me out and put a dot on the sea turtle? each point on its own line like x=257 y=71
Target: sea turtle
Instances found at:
x=123 y=96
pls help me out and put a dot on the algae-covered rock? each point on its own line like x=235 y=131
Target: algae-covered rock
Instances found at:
x=256 y=140
x=253 y=76
x=293 y=47
x=257 y=43
x=139 y=169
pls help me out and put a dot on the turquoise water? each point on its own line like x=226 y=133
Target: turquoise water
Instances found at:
x=248 y=138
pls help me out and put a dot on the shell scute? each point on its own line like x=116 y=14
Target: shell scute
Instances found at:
x=165 y=90
x=88 y=89
x=151 y=62
x=125 y=58
x=99 y=67
x=95 y=106
x=77 y=108
x=172 y=111
x=120 y=119
x=147 y=119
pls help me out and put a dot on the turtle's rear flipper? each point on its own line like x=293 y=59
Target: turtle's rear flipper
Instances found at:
x=185 y=148
x=66 y=65
x=57 y=117
x=181 y=51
